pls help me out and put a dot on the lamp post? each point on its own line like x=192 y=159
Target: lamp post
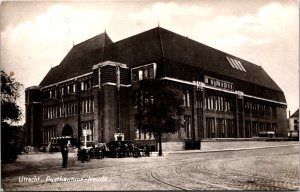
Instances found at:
x=78 y=115
x=118 y=101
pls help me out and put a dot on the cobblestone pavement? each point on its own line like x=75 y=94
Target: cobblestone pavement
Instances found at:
x=257 y=169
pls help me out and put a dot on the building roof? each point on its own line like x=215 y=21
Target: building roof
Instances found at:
x=296 y=114
x=153 y=45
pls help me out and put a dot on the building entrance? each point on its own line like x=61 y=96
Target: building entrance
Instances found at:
x=67 y=136
x=67 y=131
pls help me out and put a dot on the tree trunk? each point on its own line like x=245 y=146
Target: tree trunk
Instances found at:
x=159 y=143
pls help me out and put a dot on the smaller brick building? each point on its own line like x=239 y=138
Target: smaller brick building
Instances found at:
x=294 y=124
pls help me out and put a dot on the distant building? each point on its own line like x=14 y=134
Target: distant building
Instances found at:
x=294 y=124
x=91 y=91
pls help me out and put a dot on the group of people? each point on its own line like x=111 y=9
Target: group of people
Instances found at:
x=101 y=151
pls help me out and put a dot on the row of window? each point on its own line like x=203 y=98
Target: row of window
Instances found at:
x=89 y=128
x=67 y=89
x=48 y=133
x=143 y=73
x=260 y=126
x=140 y=135
x=218 y=83
x=68 y=108
x=142 y=100
x=220 y=127
x=218 y=103
x=259 y=109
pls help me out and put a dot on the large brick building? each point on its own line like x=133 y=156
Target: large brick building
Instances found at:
x=224 y=96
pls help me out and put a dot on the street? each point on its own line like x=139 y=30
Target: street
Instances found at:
x=253 y=169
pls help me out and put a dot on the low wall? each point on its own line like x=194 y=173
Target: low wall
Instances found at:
x=172 y=146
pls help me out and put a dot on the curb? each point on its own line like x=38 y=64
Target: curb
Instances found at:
x=221 y=150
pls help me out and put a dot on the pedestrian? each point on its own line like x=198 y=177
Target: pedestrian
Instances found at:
x=64 y=152
x=147 y=151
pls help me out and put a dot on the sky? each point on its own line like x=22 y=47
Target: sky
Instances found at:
x=36 y=36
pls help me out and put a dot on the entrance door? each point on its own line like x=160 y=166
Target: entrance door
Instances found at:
x=67 y=131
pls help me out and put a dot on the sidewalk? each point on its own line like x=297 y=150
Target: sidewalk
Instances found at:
x=207 y=147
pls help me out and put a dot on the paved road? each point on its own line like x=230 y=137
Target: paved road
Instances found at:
x=258 y=169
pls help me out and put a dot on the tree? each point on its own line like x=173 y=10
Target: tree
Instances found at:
x=159 y=109
x=11 y=136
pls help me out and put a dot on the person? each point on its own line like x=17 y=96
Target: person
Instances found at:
x=69 y=145
x=64 y=152
x=83 y=155
x=147 y=151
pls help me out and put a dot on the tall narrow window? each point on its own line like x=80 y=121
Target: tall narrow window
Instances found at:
x=151 y=73
x=146 y=75
x=62 y=91
x=82 y=85
x=140 y=75
x=184 y=99
x=187 y=120
x=135 y=75
x=188 y=99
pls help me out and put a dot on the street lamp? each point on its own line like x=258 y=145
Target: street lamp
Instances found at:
x=78 y=115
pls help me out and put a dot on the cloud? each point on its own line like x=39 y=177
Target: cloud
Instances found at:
x=32 y=47
x=267 y=36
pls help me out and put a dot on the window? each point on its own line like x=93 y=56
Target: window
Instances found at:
x=140 y=75
x=87 y=105
x=89 y=127
x=206 y=80
x=186 y=99
x=187 y=121
x=134 y=78
x=236 y=64
x=85 y=85
x=74 y=88
x=141 y=135
x=82 y=86
x=144 y=72
x=218 y=83
x=151 y=73
x=48 y=134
